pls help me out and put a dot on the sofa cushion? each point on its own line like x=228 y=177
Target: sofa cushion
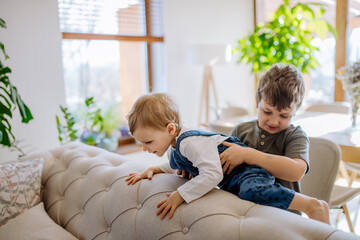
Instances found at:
x=34 y=224
x=20 y=184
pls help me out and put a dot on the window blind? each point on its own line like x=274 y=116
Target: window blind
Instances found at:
x=115 y=17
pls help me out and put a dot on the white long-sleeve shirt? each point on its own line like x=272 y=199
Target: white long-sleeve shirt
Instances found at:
x=203 y=153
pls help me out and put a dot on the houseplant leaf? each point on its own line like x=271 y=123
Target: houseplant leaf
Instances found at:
x=2 y=23
x=2 y=47
x=24 y=111
x=10 y=99
x=285 y=38
x=5 y=129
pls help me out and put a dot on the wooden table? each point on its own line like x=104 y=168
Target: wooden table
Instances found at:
x=335 y=127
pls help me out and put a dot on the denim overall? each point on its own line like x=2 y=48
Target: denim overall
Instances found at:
x=249 y=182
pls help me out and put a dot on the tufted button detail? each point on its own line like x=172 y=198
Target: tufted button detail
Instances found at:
x=107 y=189
x=109 y=229
x=81 y=211
x=139 y=206
x=185 y=230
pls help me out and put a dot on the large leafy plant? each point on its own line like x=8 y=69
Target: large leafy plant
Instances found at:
x=10 y=100
x=285 y=38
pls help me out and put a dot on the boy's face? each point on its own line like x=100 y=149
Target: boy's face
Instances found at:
x=156 y=141
x=271 y=119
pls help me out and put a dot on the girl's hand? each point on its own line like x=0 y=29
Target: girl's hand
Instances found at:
x=232 y=157
x=170 y=204
x=134 y=177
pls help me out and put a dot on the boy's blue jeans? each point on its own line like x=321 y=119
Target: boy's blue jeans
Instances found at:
x=253 y=183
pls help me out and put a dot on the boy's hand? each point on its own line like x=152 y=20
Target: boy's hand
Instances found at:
x=184 y=173
x=232 y=157
x=170 y=204
x=134 y=177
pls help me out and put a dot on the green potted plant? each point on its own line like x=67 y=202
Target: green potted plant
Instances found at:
x=111 y=120
x=90 y=125
x=285 y=38
x=10 y=100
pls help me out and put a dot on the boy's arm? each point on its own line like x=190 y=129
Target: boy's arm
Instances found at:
x=279 y=166
x=290 y=169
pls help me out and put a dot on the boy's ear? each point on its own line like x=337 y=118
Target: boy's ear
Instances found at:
x=171 y=128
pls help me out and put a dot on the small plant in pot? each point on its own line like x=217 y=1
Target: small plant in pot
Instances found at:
x=90 y=125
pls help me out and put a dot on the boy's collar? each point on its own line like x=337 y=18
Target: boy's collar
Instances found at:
x=260 y=131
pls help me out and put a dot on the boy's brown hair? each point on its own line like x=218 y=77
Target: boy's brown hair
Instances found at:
x=154 y=111
x=281 y=86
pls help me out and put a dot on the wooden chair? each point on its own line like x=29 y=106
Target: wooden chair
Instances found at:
x=335 y=107
x=319 y=182
x=346 y=165
x=231 y=111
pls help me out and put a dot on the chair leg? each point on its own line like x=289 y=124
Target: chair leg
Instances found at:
x=339 y=215
x=353 y=176
x=348 y=219
x=343 y=171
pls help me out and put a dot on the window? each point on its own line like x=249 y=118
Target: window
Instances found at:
x=354 y=32
x=112 y=50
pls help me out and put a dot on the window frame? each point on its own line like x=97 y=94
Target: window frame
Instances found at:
x=148 y=38
x=342 y=11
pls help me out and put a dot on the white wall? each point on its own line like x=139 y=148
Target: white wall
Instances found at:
x=33 y=42
x=207 y=22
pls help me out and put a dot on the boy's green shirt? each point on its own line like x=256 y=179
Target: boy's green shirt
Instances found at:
x=292 y=142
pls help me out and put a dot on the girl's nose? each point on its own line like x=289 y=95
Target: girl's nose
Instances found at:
x=146 y=149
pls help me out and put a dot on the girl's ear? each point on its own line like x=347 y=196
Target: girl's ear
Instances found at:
x=171 y=128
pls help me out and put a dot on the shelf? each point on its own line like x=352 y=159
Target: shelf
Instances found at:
x=128 y=145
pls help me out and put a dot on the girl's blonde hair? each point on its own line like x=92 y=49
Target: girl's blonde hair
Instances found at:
x=281 y=86
x=154 y=111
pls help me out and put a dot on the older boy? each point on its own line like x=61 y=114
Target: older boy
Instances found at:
x=275 y=144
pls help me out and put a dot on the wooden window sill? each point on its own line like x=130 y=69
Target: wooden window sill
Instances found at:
x=128 y=145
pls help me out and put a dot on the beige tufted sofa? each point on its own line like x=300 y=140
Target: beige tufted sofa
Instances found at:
x=85 y=192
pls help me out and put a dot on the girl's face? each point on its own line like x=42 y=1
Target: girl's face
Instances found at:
x=271 y=120
x=154 y=140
